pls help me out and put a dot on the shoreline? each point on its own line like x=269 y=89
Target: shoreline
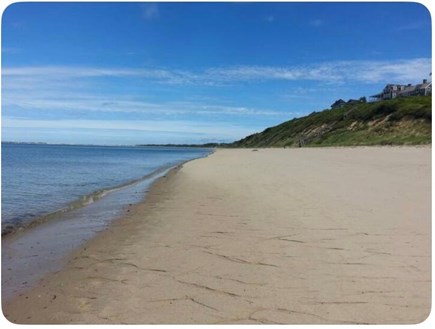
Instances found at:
x=58 y=276
x=242 y=237
x=27 y=257
x=10 y=230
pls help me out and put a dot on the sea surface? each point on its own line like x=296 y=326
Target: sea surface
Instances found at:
x=41 y=180
x=56 y=197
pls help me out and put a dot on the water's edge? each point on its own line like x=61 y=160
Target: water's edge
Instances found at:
x=32 y=253
x=23 y=226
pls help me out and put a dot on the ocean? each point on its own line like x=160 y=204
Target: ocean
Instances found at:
x=66 y=194
x=41 y=180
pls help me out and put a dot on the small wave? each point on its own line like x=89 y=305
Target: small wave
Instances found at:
x=31 y=220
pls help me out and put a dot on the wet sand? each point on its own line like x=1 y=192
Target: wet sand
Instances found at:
x=331 y=235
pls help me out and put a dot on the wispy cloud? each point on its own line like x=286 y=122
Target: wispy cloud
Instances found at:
x=150 y=11
x=66 y=92
x=329 y=72
x=72 y=90
x=18 y=24
x=33 y=96
x=61 y=73
x=210 y=131
x=394 y=71
x=316 y=22
x=10 y=50
x=333 y=72
x=72 y=102
x=413 y=26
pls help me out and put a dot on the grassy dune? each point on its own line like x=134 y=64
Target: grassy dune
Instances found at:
x=402 y=121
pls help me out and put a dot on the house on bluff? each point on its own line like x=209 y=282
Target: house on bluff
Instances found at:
x=394 y=90
x=341 y=103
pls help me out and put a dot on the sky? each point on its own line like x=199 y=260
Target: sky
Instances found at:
x=156 y=73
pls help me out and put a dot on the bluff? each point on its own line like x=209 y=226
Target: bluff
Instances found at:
x=400 y=121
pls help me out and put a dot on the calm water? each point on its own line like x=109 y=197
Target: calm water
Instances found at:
x=38 y=180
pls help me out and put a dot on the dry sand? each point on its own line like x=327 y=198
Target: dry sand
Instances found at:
x=337 y=235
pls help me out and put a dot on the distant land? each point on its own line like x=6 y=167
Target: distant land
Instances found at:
x=207 y=145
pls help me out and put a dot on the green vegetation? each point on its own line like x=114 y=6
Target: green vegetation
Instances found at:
x=401 y=121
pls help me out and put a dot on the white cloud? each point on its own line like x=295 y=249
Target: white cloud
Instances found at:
x=69 y=90
x=330 y=72
x=334 y=72
x=47 y=101
x=62 y=72
x=413 y=26
x=65 y=92
x=400 y=71
x=75 y=89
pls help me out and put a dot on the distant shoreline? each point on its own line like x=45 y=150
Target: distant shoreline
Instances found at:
x=211 y=145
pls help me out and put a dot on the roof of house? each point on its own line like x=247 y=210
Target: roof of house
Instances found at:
x=377 y=95
x=408 y=89
x=339 y=101
x=425 y=85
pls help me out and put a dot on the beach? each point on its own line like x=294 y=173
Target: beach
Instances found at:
x=247 y=236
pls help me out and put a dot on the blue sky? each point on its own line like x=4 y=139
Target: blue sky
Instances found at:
x=130 y=73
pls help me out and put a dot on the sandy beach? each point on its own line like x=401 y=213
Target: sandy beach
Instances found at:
x=291 y=236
